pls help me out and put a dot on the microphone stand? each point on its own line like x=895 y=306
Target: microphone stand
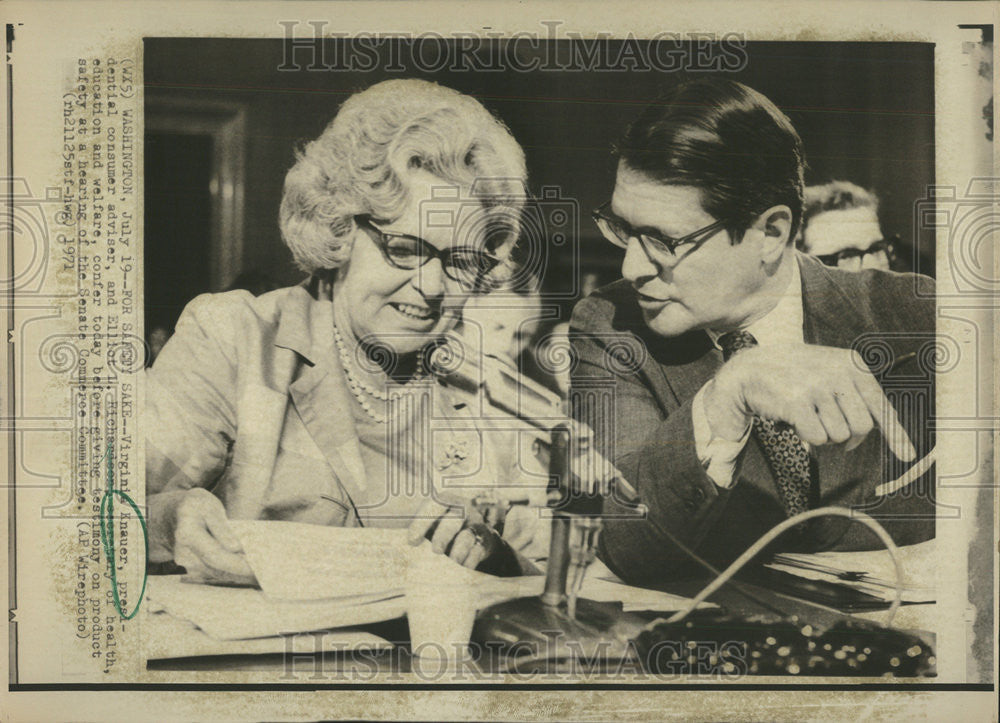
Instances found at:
x=557 y=625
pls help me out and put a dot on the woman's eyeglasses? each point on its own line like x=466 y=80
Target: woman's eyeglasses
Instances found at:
x=882 y=253
x=619 y=232
x=465 y=264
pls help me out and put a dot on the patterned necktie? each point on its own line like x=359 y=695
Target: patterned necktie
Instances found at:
x=786 y=454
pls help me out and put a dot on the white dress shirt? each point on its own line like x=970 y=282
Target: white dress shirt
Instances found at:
x=781 y=325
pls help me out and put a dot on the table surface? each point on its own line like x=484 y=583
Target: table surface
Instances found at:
x=350 y=666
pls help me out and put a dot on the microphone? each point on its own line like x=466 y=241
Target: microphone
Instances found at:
x=500 y=384
x=499 y=380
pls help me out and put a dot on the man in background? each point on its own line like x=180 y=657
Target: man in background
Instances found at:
x=840 y=226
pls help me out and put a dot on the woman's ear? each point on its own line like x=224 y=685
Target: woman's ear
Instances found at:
x=775 y=228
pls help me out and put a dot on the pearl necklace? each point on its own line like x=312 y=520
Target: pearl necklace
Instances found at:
x=360 y=389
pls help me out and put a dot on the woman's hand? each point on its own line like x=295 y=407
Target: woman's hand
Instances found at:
x=470 y=541
x=461 y=530
x=450 y=535
x=204 y=544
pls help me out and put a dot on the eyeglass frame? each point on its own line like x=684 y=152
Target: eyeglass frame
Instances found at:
x=650 y=236
x=886 y=244
x=430 y=252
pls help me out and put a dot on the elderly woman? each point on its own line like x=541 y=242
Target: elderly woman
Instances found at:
x=312 y=403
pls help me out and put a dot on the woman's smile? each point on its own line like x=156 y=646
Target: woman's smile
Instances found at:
x=414 y=312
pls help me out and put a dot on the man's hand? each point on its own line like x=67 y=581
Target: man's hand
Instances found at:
x=204 y=545
x=826 y=394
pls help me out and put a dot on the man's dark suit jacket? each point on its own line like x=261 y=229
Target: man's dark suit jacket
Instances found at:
x=636 y=388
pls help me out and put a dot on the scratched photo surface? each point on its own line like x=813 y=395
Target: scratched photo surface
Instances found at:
x=330 y=338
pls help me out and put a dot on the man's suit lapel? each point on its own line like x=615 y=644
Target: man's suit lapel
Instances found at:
x=692 y=362
x=677 y=368
x=830 y=318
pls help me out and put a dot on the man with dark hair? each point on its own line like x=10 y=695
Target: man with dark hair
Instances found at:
x=840 y=227
x=734 y=364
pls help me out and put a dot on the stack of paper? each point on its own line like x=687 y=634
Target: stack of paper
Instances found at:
x=167 y=636
x=233 y=613
x=871 y=572
x=316 y=578
x=296 y=561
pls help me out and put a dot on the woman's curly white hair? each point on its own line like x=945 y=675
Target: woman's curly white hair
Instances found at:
x=359 y=165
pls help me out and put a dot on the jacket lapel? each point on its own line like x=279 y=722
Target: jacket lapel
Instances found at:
x=322 y=403
x=675 y=367
x=687 y=375
x=830 y=318
x=320 y=391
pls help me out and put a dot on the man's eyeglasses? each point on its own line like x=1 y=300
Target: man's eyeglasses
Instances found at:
x=618 y=232
x=465 y=264
x=882 y=252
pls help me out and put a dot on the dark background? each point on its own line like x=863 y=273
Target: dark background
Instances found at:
x=865 y=112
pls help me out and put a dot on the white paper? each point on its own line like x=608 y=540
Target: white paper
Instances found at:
x=874 y=568
x=314 y=577
x=296 y=561
x=167 y=636
x=213 y=609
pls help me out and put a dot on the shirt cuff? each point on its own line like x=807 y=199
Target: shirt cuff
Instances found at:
x=717 y=456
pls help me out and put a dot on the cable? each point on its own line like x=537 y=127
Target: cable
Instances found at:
x=711 y=568
x=909 y=477
x=768 y=537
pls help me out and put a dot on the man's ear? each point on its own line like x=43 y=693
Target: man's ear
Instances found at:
x=775 y=227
